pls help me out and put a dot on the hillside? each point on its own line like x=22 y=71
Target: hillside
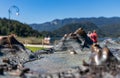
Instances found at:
x=11 y=26
x=55 y=24
x=112 y=30
x=87 y=26
x=105 y=26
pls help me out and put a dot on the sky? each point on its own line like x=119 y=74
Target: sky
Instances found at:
x=40 y=11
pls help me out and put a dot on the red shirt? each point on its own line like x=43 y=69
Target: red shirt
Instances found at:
x=94 y=37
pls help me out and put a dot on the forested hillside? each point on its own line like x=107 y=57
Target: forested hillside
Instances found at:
x=112 y=30
x=57 y=23
x=70 y=28
x=11 y=26
x=110 y=27
x=24 y=30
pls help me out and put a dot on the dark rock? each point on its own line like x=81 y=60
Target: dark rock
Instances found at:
x=1 y=70
x=25 y=70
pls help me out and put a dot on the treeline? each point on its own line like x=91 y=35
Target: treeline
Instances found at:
x=14 y=27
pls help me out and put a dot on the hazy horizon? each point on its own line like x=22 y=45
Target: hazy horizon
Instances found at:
x=77 y=18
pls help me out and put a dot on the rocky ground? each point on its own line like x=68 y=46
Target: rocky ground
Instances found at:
x=18 y=62
x=62 y=64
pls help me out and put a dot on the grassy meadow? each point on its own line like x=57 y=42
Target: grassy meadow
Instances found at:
x=31 y=40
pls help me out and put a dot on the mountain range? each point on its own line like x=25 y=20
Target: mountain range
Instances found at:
x=57 y=23
x=106 y=27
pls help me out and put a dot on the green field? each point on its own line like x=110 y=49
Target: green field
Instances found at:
x=34 y=49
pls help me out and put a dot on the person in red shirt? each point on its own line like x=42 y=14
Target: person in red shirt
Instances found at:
x=94 y=36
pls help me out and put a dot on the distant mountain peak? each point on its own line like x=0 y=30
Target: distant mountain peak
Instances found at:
x=55 y=22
